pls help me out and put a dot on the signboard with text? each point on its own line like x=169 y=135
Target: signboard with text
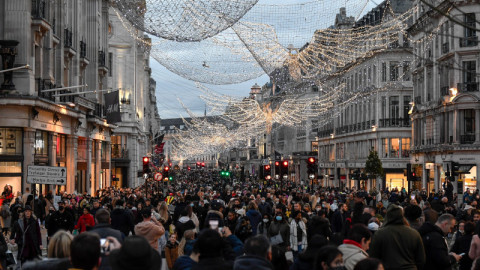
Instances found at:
x=47 y=175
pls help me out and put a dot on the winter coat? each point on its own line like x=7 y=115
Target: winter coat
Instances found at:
x=187 y=250
x=281 y=228
x=462 y=245
x=352 y=254
x=397 y=245
x=265 y=208
x=103 y=230
x=293 y=235
x=28 y=238
x=6 y=216
x=184 y=263
x=436 y=248
x=213 y=264
x=255 y=217
x=182 y=225
x=249 y=262
x=318 y=225
x=171 y=254
x=122 y=221
x=151 y=230
x=62 y=221
x=85 y=222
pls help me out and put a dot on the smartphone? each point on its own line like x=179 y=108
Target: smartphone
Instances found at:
x=461 y=254
x=412 y=197
x=104 y=245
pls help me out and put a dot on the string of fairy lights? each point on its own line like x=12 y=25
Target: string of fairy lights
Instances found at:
x=227 y=42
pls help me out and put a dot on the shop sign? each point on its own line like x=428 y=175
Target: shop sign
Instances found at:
x=47 y=175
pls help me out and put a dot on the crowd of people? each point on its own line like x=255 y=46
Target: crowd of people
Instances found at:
x=209 y=223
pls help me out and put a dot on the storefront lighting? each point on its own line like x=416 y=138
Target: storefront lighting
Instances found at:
x=453 y=91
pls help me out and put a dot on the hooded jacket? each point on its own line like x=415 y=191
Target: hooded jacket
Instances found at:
x=397 y=245
x=151 y=230
x=249 y=262
x=436 y=248
x=352 y=255
x=255 y=217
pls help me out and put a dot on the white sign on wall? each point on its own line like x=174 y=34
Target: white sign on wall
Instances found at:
x=47 y=175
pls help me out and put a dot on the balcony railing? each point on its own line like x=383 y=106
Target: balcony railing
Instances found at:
x=445 y=48
x=469 y=41
x=42 y=85
x=394 y=122
x=467 y=87
x=39 y=9
x=68 y=38
x=83 y=49
x=69 y=99
x=101 y=58
x=467 y=139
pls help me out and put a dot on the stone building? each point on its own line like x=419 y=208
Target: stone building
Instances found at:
x=446 y=114
x=378 y=121
x=65 y=45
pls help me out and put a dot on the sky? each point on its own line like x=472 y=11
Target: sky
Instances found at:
x=171 y=87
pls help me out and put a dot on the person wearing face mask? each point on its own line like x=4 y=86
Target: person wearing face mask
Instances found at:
x=263 y=225
x=264 y=207
x=298 y=233
x=279 y=231
x=62 y=219
x=329 y=258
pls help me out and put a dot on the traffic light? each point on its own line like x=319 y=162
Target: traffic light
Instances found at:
x=455 y=169
x=224 y=174
x=188 y=168
x=203 y=164
x=166 y=169
x=146 y=165
x=285 y=167
x=198 y=164
x=277 y=169
x=311 y=161
x=267 y=171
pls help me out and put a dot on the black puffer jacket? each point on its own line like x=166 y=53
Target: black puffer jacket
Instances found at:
x=249 y=262
x=436 y=249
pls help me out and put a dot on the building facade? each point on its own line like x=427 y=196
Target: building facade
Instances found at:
x=446 y=112
x=55 y=45
x=376 y=121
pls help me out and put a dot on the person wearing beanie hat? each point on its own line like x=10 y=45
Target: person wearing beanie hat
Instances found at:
x=396 y=244
x=26 y=233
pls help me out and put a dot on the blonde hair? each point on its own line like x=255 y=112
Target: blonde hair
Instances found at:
x=187 y=235
x=59 y=246
x=163 y=211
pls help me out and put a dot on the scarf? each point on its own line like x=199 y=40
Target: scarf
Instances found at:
x=293 y=235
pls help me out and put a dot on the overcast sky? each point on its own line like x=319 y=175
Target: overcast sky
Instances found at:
x=171 y=87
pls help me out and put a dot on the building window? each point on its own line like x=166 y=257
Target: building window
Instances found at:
x=110 y=65
x=405 y=147
x=469 y=71
x=11 y=141
x=395 y=148
x=470 y=27
x=384 y=147
x=406 y=107
x=469 y=122
x=41 y=143
x=406 y=71
x=394 y=108
x=61 y=153
x=384 y=72
x=393 y=71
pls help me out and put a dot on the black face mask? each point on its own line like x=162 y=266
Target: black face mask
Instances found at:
x=61 y=208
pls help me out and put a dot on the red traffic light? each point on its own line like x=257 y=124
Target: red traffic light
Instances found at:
x=166 y=168
x=188 y=168
x=267 y=167
x=203 y=164
x=413 y=174
x=277 y=163
x=311 y=160
x=285 y=163
x=146 y=160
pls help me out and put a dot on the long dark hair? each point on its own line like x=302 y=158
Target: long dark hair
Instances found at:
x=326 y=254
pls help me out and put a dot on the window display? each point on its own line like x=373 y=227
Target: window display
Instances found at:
x=10 y=141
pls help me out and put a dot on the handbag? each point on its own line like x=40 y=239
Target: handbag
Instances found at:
x=276 y=240
x=289 y=256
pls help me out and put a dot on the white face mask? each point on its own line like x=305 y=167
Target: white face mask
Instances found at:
x=265 y=220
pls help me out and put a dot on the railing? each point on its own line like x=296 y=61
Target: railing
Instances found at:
x=39 y=9
x=68 y=38
x=467 y=139
x=101 y=58
x=99 y=110
x=469 y=41
x=445 y=48
x=83 y=49
x=394 y=122
x=70 y=99
x=467 y=87
x=42 y=85
x=444 y=91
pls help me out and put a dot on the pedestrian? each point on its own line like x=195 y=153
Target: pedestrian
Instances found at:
x=85 y=251
x=135 y=254
x=171 y=250
x=6 y=217
x=369 y=264
x=435 y=244
x=329 y=257
x=306 y=259
x=121 y=220
x=407 y=252
x=298 y=233
x=258 y=255
x=355 y=247
x=86 y=221
x=62 y=219
x=26 y=233
x=213 y=250
x=150 y=228
x=462 y=245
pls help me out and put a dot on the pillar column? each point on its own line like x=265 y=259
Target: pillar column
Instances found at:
x=108 y=180
x=98 y=165
x=424 y=176
x=436 y=175
x=28 y=153
x=52 y=142
x=71 y=162
x=88 y=176
x=456 y=127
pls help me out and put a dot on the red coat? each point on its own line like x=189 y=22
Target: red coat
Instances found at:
x=84 y=221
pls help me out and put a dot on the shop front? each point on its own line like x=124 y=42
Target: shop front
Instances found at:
x=11 y=159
